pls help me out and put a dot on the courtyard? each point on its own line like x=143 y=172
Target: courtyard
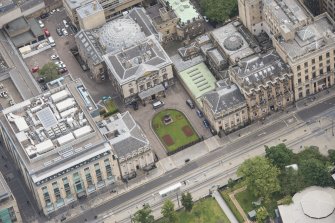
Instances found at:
x=173 y=129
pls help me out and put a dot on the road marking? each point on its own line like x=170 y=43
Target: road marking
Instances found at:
x=263 y=133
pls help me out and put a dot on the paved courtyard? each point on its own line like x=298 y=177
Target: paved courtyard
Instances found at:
x=175 y=98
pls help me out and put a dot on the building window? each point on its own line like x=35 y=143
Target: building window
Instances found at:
x=321 y=65
x=88 y=176
x=108 y=169
x=299 y=74
x=321 y=71
x=313 y=61
x=327 y=54
x=163 y=70
x=306 y=77
x=328 y=68
x=320 y=58
x=306 y=64
x=149 y=85
x=299 y=80
x=141 y=87
x=164 y=76
x=66 y=187
x=298 y=67
x=98 y=172
x=314 y=75
x=131 y=91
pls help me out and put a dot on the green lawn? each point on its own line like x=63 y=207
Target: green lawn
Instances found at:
x=245 y=199
x=231 y=205
x=173 y=129
x=209 y=212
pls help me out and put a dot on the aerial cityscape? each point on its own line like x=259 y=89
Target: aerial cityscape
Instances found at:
x=167 y=111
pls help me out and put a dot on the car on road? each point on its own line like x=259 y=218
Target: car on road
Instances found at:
x=59 y=32
x=199 y=113
x=35 y=69
x=41 y=23
x=65 y=23
x=157 y=104
x=54 y=57
x=190 y=103
x=46 y=32
x=65 y=32
x=206 y=123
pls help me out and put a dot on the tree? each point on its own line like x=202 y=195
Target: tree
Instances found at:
x=186 y=201
x=311 y=152
x=315 y=173
x=144 y=215
x=219 y=10
x=291 y=181
x=261 y=214
x=168 y=211
x=279 y=155
x=49 y=71
x=261 y=177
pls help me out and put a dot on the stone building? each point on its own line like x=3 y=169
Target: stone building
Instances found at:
x=130 y=145
x=265 y=81
x=225 y=108
x=141 y=72
x=91 y=16
x=57 y=146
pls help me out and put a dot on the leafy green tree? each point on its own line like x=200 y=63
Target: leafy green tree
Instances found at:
x=49 y=71
x=186 y=201
x=311 y=152
x=291 y=181
x=219 y=10
x=279 y=155
x=261 y=215
x=331 y=155
x=144 y=215
x=261 y=177
x=168 y=211
x=315 y=173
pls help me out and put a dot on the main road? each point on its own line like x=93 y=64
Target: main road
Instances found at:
x=237 y=148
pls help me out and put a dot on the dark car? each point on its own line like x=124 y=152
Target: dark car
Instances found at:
x=59 y=32
x=40 y=80
x=206 y=123
x=45 y=15
x=190 y=103
x=44 y=87
x=62 y=70
x=199 y=113
x=135 y=105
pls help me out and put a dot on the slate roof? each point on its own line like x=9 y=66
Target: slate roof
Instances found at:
x=133 y=62
x=131 y=136
x=225 y=98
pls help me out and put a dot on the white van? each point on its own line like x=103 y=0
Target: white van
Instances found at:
x=157 y=104
x=51 y=41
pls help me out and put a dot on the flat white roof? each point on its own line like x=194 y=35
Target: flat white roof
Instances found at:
x=170 y=188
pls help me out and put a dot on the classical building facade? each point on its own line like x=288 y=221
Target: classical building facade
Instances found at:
x=225 y=108
x=141 y=72
x=57 y=146
x=266 y=83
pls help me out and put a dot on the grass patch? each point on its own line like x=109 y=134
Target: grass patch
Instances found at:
x=203 y=211
x=111 y=106
x=231 y=205
x=245 y=199
x=174 y=129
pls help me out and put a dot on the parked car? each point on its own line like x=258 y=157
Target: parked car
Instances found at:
x=65 y=23
x=62 y=70
x=206 y=123
x=54 y=57
x=60 y=66
x=58 y=62
x=45 y=15
x=157 y=104
x=190 y=103
x=44 y=87
x=35 y=69
x=41 y=23
x=40 y=80
x=65 y=32
x=199 y=113
x=59 y=32
x=53 y=11
x=46 y=32
x=57 y=10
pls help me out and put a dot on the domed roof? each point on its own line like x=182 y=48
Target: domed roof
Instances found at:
x=317 y=204
x=119 y=33
x=233 y=42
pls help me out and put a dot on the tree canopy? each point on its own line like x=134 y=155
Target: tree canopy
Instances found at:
x=261 y=215
x=49 y=71
x=279 y=155
x=291 y=181
x=219 y=10
x=143 y=215
x=186 y=201
x=315 y=173
x=168 y=211
x=261 y=177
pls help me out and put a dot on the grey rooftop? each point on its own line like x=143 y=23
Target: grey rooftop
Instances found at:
x=5 y=192
x=89 y=9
